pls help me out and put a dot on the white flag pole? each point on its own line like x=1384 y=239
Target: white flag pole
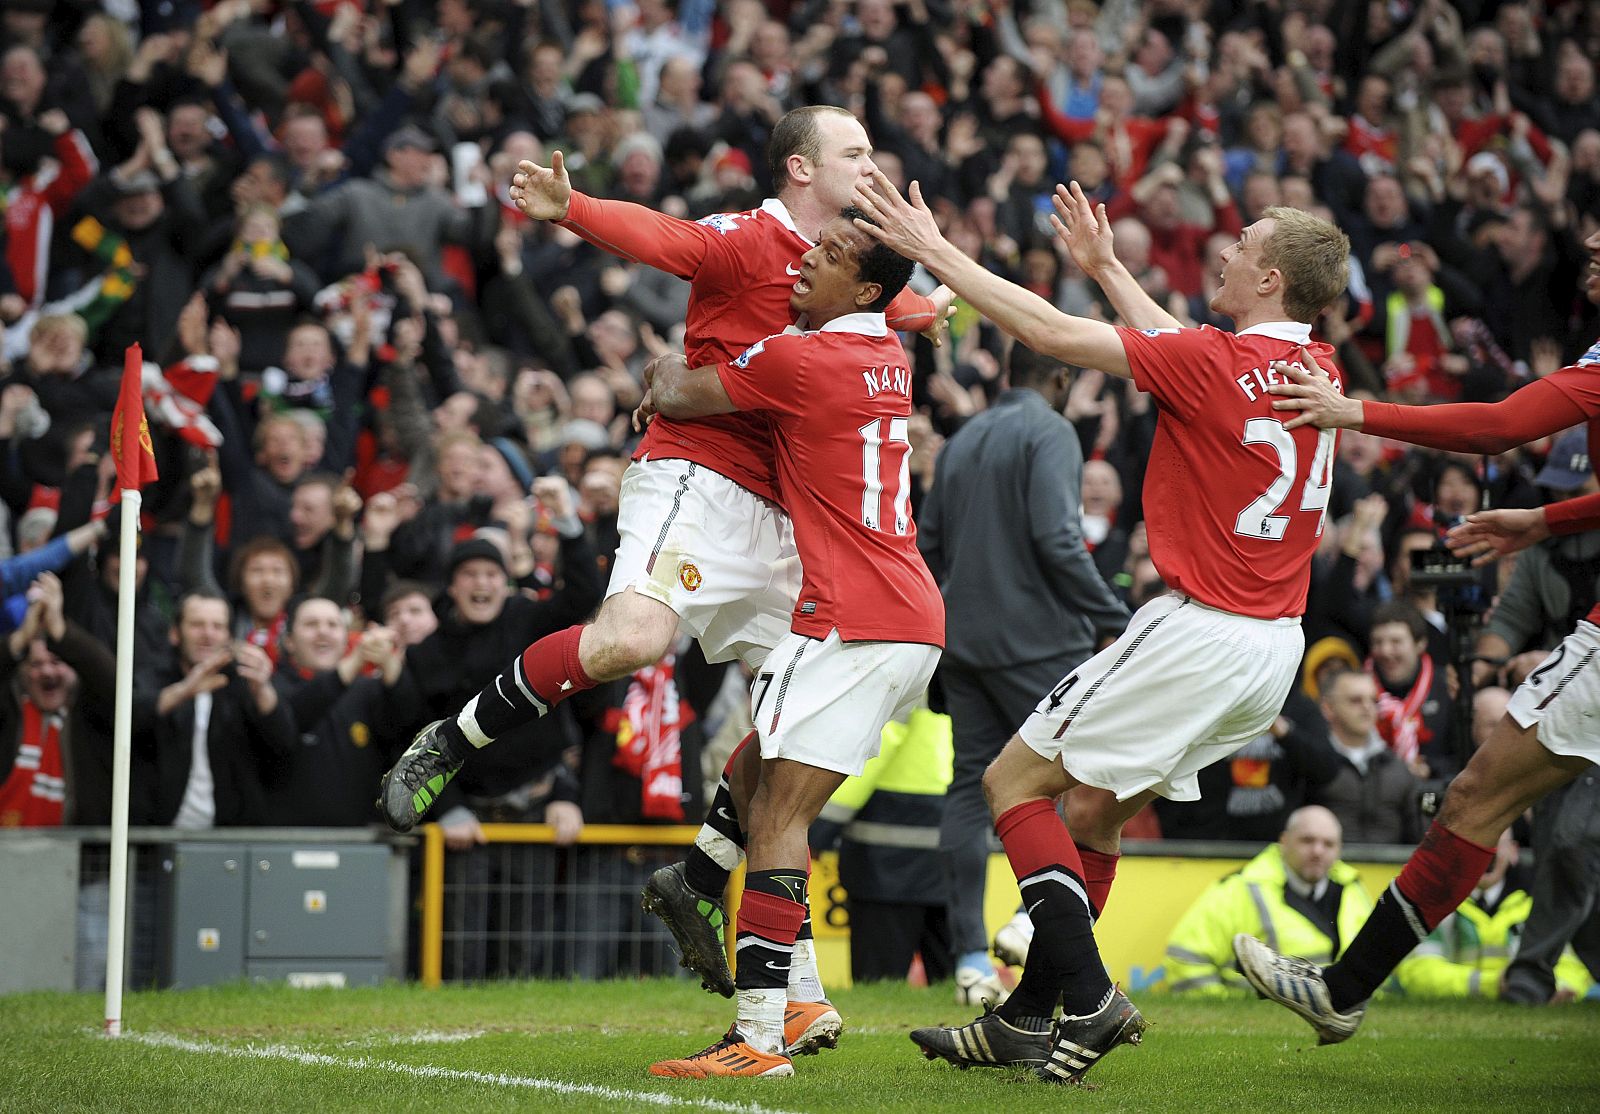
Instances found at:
x=122 y=750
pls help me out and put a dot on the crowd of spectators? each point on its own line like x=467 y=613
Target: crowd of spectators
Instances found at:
x=391 y=414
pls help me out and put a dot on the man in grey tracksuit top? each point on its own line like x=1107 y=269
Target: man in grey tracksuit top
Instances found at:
x=1024 y=603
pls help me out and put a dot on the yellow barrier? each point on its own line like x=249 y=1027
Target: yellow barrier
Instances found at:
x=430 y=965
x=1150 y=894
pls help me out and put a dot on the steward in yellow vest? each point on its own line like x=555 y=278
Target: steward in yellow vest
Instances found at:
x=886 y=825
x=1467 y=954
x=1296 y=894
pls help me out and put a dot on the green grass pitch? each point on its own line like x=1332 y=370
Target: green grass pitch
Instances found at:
x=584 y=1047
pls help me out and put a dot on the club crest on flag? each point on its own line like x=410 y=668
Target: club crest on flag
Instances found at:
x=144 y=436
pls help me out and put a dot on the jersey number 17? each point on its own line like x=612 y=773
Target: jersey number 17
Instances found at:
x=875 y=436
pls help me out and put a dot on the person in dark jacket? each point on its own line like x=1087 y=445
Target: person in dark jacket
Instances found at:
x=481 y=626
x=1024 y=605
x=1374 y=793
x=148 y=201
x=351 y=711
x=202 y=742
x=91 y=591
x=525 y=779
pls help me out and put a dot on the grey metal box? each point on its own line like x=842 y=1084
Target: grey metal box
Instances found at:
x=203 y=889
x=319 y=972
x=40 y=930
x=318 y=900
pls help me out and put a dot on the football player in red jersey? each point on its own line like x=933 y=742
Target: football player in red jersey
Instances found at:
x=1547 y=736
x=869 y=622
x=706 y=545
x=1234 y=508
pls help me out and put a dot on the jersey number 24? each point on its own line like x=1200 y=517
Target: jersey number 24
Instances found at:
x=1261 y=518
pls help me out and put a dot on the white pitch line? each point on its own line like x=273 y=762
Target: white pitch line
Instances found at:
x=431 y=1071
x=378 y=1040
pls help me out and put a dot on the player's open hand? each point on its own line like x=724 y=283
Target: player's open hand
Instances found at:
x=944 y=308
x=1490 y=535
x=1314 y=394
x=907 y=226
x=1084 y=229
x=542 y=192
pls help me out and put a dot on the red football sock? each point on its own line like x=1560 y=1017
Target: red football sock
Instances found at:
x=1035 y=838
x=1099 y=871
x=1441 y=872
x=551 y=667
x=1063 y=962
x=767 y=924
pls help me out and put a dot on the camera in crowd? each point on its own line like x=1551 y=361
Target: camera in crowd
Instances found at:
x=1439 y=568
x=1461 y=588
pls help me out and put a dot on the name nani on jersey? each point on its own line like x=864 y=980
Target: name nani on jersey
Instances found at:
x=895 y=380
x=1254 y=383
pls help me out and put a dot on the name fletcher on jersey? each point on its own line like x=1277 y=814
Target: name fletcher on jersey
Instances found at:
x=1254 y=383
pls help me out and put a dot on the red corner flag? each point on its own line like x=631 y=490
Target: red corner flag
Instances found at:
x=130 y=433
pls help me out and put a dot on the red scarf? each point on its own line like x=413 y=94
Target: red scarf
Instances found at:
x=35 y=794
x=269 y=637
x=647 y=727
x=1400 y=718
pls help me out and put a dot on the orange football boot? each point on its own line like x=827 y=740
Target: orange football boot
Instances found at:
x=729 y=1056
x=809 y=1027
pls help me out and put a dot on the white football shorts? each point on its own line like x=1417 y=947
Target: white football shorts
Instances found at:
x=825 y=702
x=719 y=556
x=1184 y=686
x=1562 y=696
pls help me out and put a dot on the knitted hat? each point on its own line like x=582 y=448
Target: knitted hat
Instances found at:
x=475 y=549
x=1320 y=654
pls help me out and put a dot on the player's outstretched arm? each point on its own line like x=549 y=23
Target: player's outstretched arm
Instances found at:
x=1535 y=411
x=1086 y=232
x=908 y=227
x=681 y=391
x=632 y=232
x=927 y=314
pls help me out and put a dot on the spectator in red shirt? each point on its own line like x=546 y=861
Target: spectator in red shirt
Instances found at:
x=1127 y=140
x=1178 y=247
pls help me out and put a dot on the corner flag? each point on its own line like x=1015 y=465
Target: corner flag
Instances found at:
x=130 y=433
x=136 y=466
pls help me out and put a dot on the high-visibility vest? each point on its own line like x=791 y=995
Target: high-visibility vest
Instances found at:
x=1464 y=956
x=891 y=814
x=1200 y=957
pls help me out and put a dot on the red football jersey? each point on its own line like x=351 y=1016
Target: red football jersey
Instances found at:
x=839 y=399
x=1234 y=503
x=741 y=268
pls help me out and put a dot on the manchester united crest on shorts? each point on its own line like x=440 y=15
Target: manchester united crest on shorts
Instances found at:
x=688 y=576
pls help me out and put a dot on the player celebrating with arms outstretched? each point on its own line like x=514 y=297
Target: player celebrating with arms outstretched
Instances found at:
x=705 y=542
x=869 y=621
x=1235 y=505
x=1547 y=736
